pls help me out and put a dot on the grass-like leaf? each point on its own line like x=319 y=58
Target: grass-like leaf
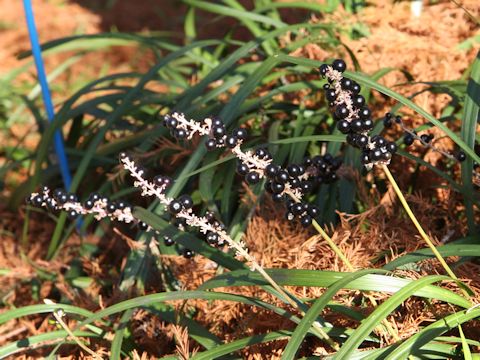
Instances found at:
x=33 y=342
x=430 y=332
x=381 y=312
x=471 y=113
x=462 y=248
x=302 y=329
x=296 y=277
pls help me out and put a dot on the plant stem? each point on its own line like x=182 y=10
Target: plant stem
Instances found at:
x=422 y=233
x=342 y=256
x=65 y=327
x=332 y=245
x=329 y=240
x=256 y=266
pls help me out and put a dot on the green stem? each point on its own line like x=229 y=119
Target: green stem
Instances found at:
x=342 y=256
x=272 y=282
x=329 y=240
x=332 y=245
x=422 y=233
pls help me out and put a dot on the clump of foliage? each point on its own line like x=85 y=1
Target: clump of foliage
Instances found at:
x=295 y=152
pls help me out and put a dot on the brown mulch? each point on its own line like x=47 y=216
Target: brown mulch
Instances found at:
x=426 y=47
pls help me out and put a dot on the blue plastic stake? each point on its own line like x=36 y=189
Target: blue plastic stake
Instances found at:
x=47 y=98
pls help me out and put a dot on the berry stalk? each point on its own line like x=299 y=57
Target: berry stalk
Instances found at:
x=422 y=232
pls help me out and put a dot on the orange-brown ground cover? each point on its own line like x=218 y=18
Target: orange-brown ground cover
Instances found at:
x=425 y=46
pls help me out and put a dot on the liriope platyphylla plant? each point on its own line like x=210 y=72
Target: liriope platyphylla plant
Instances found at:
x=354 y=119
x=180 y=210
x=287 y=185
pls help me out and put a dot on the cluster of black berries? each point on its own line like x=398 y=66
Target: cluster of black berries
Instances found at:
x=295 y=180
x=60 y=197
x=252 y=175
x=303 y=177
x=212 y=238
x=54 y=202
x=214 y=128
x=410 y=136
x=218 y=137
x=353 y=115
x=185 y=202
x=176 y=131
x=304 y=211
x=110 y=207
x=323 y=168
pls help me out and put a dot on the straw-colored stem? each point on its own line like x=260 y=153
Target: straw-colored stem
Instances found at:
x=71 y=334
x=422 y=233
x=332 y=245
x=342 y=256
x=329 y=240
x=256 y=266
x=393 y=333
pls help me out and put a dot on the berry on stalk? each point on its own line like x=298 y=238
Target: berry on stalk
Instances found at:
x=252 y=178
x=339 y=65
x=461 y=156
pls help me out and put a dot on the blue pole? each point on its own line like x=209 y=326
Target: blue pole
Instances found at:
x=47 y=98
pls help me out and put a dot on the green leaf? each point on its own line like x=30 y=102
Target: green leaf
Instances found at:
x=470 y=119
x=311 y=315
x=36 y=341
x=467 y=355
x=148 y=300
x=297 y=4
x=296 y=277
x=452 y=249
x=430 y=332
x=93 y=42
x=120 y=328
x=381 y=312
x=236 y=345
x=255 y=29
x=42 y=309
x=241 y=15
x=366 y=81
x=310 y=138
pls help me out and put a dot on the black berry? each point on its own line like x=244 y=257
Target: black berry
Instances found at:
x=282 y=176
x=186 y=201
x=242 y=169
x=240 y=133
x=210 y=144
x=460 y=156
x=408 y=139
x=339 y=65
x=252 y=178
x=175 y=207
x=330 y=95
x=231 y=141
x=323 y=69
x=271 y=170
x=343 y=126
x=188 y=254
x=168 y=241
x=306 y=220
x=341 y=111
